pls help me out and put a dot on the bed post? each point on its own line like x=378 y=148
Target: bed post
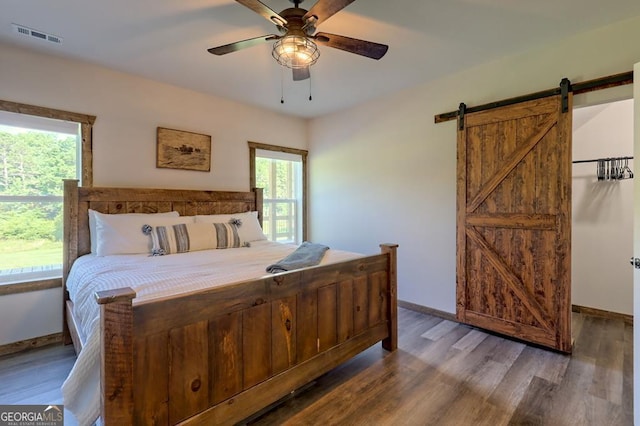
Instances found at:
x=259 y=202
x=70 y=245
x=116 y=366
x=391 y=342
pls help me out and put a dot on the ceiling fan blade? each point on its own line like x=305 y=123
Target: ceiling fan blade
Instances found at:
x=300 y=74
x=325 y=9
x=353 y=45
x=264 y=10
x=238 y=45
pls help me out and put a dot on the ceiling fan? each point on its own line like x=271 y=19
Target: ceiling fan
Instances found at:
x=296 y=47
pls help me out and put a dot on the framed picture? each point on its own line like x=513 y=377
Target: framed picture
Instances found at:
x=177 y=149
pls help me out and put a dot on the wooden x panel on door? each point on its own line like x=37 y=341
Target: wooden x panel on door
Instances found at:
x=514 y=222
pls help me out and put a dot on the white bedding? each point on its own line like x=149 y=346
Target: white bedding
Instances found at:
x=153 y=277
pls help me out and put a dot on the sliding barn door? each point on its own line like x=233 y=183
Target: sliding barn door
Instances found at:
x=514 y=222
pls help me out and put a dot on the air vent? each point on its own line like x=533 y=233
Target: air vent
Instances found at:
x=40 y=35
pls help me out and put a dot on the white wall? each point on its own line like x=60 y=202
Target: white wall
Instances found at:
x=27 y=315
x=128 y=110
x=384 y=172
x=602 y=239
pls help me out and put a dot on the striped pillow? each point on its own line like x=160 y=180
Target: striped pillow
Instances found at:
x=185 y=237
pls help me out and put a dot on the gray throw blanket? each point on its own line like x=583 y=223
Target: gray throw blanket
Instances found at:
x=307 y=254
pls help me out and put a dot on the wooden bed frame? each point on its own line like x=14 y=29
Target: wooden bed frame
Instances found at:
x=220 y=355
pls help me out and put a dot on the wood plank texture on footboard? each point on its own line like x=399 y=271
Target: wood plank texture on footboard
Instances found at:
x=218 y=356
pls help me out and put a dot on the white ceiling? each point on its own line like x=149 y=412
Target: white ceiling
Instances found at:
x=167 y=41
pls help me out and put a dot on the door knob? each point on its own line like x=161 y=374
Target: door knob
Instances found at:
x=635 y=262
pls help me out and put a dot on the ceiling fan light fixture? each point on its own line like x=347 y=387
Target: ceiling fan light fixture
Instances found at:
x=295 y=52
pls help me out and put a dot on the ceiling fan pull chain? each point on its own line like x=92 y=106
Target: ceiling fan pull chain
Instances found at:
x=281 y=85
x=310 y=98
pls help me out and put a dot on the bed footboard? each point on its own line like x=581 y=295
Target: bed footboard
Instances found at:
x=218 y=356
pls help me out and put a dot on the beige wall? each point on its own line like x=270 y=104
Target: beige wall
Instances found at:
x=128 y=110
x=602 y=239
x=384 y=172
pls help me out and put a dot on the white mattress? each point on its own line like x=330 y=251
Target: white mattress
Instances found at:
x=153 y=277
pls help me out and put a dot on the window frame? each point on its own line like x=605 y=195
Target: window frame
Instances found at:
x=86 y=132
x=253 y=146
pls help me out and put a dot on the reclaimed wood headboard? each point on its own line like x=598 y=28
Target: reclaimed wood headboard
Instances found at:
x=78 y=200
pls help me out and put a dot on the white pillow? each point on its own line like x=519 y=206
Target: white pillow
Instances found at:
x=92 y=222
x=122 y=234
x=250 y=229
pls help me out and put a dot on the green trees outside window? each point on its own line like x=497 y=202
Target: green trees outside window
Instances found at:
x=33 y=164
x=281 y=180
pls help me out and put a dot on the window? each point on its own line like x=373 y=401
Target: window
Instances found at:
x=281 y=173
x=38 y=149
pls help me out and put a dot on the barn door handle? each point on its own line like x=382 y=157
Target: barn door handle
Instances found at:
x=635 y=262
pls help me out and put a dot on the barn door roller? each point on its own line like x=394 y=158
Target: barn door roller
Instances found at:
x=461 y=110
x=565 y=88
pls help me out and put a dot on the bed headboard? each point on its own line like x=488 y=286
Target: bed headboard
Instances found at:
x=78 y=200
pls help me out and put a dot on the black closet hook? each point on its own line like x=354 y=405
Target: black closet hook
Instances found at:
x=627 y=170
x=600 y=169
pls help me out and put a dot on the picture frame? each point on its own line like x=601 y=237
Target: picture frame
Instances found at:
x=178 y=149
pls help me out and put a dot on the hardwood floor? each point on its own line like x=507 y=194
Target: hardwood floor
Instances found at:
x=443 y=373
x=35 y=377
x=446 y=373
